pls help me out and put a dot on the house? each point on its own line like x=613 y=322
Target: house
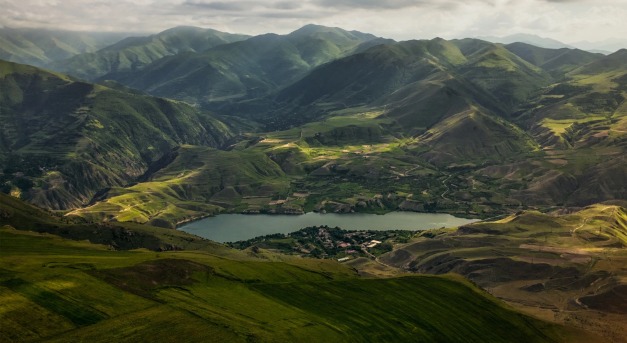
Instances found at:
x=373 y=243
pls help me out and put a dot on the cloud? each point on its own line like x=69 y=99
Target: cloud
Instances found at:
x=566 y=20
x=219 y=5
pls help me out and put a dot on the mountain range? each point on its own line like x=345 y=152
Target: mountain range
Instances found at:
x=40 y=47
x=508 y=126
x=107 y=143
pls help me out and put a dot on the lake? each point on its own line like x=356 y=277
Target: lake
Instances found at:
x=239 y=227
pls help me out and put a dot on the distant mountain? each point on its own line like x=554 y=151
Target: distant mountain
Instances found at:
x=538 y=41
x=616 y=62
x=555 y=61
x=134 y=53
x=246 y=69
x=40 y=47
x=606 y=46
x=62 y=140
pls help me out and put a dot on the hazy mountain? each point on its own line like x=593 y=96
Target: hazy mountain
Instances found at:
x=538 y=41
x=606 y=46
x=39 y=47
x=134 y=53
x=245 y=69
x=62 y=140
x=555 y=61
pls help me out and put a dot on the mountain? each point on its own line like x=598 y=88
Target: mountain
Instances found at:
x=134 y=53
x=62 y=140
x=606 y=46
x=246 y=69
x=554 y=61
x=419 y=83
x=491 y=139
x=424 y=125
x=40 y=47
x=541 y=42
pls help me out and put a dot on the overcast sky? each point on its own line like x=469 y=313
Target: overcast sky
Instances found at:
x=565 y=20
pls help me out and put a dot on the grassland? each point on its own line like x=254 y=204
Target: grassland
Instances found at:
x=56 y=290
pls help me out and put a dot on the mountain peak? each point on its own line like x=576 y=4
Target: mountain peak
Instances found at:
x=314 y=28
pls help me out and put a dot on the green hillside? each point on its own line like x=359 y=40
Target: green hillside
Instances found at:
x=64 y=290
x=134 y=53
x=492 y=139
x=199 y=181
x=64 y=140
x=39 y=47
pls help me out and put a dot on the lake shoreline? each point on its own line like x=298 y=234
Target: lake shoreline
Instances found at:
x=184 y=222
x=232 y=227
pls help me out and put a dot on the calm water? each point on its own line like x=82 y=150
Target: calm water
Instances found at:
x=238 y=227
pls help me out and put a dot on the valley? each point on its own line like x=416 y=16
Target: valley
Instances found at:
x=108 y=145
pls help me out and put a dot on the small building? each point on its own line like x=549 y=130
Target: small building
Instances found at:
x=343 y=259
x=373 y=243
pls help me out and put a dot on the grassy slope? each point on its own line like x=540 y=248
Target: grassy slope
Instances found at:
x=122 y=236
x=200 y=181
x=547 y=265
x=78 y=291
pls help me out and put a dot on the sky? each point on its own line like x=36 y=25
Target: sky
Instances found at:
x=565 y=20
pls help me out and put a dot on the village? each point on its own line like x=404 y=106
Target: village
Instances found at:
x=328 y=242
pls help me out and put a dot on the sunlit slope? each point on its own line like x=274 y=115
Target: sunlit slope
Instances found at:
x=198 y=181
x=78 y=291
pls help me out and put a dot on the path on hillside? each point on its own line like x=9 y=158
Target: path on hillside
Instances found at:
x=447 y=188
